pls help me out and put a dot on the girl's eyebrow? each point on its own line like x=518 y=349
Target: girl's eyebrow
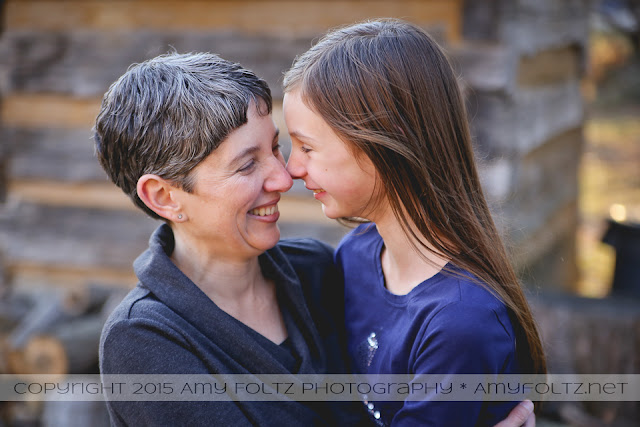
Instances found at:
x=299 y=135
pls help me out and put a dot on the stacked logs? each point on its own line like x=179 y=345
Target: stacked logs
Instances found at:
x=590 y=336
x=53 y=332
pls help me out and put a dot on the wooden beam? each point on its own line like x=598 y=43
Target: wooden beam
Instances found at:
x=30 y=276
x=297 y=209
x=30 y=111
x=48 y=111
x=281 y=17
x=549 y=67
x=87 y=195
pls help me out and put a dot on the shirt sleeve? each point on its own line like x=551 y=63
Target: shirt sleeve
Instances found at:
x=460 y=339
x=146 y=347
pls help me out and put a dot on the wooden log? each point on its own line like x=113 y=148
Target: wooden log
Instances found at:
x=112 y=302
x=80 y=340
x=528 y=27
x=3 y=176
x=576 y=416
x=513 y=124
x=591 y=336
x=274 y=17
x=75 y=414
x=550 y=66
x=40 y=355
x=58 y=62
x=74 y=237
x=13 y=308
x=26 y=413
x=65 y=155
x=101 y=239
x=87 y=299
x=46 y=312
x=72 y=347
x=5 y=279
x=4 y=354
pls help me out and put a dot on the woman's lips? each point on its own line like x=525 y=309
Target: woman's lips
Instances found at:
x=267 y=213
x=265 y=210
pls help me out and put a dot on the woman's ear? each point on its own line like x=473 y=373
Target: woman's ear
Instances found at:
x=159 y=196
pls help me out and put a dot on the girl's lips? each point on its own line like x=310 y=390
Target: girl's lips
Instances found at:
x=318 y=193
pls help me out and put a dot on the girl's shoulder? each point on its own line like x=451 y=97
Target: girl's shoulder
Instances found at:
x=360 y=238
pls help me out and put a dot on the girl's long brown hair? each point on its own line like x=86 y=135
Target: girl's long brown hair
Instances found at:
x=388 y=90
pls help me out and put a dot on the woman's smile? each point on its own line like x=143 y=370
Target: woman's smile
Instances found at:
x=267 y=213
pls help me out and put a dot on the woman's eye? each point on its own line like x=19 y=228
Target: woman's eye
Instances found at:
x=247 y=167
x=305 y=149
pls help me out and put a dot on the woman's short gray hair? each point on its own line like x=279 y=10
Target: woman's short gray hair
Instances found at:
x=165 y=115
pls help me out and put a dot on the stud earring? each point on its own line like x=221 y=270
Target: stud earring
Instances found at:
x=179 y=216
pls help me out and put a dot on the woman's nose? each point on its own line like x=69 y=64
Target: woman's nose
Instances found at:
x=279 y=179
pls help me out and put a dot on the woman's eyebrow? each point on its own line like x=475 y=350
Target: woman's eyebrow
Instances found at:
x=246 y=152
x=250 y=150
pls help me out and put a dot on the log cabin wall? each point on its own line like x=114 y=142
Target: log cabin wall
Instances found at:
x=63 y=224
x=524 y=61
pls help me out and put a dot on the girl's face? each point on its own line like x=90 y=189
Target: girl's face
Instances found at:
x=321 y=159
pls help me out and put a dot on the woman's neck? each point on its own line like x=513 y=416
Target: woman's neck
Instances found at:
x=235 y=284
x=220 y=276
x=406 y=262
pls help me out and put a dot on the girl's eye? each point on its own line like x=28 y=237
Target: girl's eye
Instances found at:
x=247 y=167
x=276 y=148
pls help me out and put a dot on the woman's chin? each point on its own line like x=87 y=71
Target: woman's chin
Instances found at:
x=267 y=239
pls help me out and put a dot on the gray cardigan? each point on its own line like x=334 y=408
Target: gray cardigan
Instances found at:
x=167 y=325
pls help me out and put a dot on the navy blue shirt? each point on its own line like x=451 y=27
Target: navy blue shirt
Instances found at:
x=448 y=324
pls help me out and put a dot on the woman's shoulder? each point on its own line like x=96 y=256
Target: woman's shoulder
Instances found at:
x=139 y=310
x=306 y=251
x=304 y=244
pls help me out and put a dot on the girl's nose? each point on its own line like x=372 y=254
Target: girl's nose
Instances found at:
x=295 y=167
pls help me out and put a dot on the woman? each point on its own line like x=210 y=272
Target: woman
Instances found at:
x=190 y=139
x=380 y=134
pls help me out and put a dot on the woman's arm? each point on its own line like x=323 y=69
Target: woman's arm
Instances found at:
x=136 y=346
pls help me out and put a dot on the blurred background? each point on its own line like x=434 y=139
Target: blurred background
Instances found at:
x=553 y=92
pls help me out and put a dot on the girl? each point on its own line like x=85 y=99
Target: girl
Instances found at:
x=380 y=134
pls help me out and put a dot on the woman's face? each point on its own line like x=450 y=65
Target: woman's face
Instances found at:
x=343 y=184
x=234 y=203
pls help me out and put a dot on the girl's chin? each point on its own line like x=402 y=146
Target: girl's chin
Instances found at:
x=330 y=213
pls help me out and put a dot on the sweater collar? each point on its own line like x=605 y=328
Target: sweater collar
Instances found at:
x=163 y=278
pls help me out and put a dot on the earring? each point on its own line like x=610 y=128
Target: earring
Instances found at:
x=179 y=216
